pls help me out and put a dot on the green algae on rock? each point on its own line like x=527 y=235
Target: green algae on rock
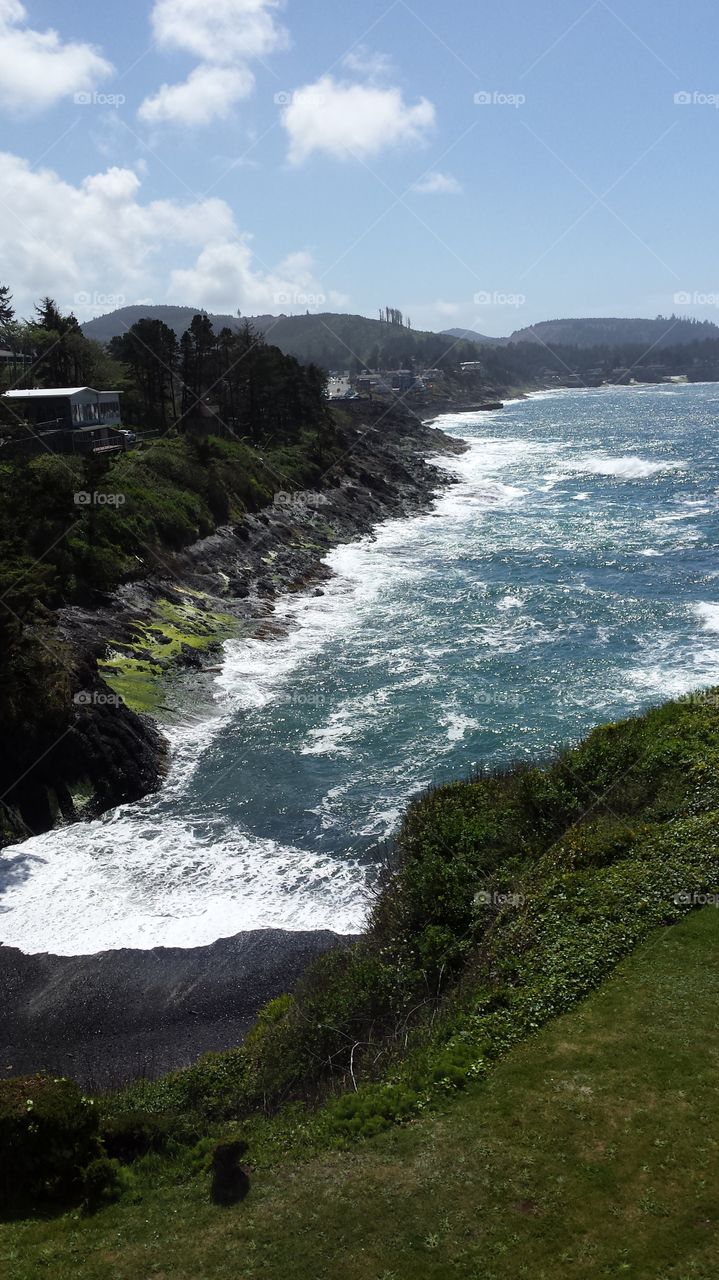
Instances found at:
x=136 y=669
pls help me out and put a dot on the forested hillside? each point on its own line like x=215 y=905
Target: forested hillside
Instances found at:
x=618 y=331
x=331 y=340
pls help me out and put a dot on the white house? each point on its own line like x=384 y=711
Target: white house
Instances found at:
x=67 y=406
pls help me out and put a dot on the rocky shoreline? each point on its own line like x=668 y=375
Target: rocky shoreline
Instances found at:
x=237 y=573
x=117 y=1015
x=112 y=755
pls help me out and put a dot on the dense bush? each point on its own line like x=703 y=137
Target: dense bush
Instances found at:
x=102 y=1183
x=131 y=1134
x=370 y=1110
x=48 y=1141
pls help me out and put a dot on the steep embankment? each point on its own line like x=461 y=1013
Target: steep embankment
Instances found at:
x=514 y=895
x=268 y=518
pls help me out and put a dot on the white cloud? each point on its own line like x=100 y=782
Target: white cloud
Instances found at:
x=343 y=120
x=98 y=240
x=37 y=68
x=225 y=35
x=219 y=31
x=437 y=184
x=368 y=62
x=208 y=94
x=225 y=272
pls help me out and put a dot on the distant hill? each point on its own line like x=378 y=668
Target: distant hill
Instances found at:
x=471 y=335
x=664 y=331
x=330 y=339
x=335 y=340
x=115 y=323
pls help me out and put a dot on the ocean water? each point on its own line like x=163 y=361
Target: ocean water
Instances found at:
x=569 y=577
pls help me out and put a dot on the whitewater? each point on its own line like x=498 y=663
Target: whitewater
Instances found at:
x=567 y=577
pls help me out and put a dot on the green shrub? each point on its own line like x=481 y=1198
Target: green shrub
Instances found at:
x=132 y=1134
x=455 y=1064
x=370 y=1110
x=48 y=1138
x=103 y=1182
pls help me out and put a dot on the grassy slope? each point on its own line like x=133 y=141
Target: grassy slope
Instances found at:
x=590 y=1151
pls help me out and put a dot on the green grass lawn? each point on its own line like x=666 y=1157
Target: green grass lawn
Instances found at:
x=590 y=1151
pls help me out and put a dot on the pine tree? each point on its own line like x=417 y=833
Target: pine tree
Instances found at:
x=7 y=311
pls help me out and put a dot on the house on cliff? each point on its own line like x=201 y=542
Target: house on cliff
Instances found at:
x=62 y=420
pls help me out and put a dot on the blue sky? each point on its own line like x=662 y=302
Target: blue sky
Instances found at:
x=242 y=154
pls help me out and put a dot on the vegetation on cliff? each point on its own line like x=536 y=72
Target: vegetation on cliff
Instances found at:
x=73 y=528
x=513 y=897
x=224 y=422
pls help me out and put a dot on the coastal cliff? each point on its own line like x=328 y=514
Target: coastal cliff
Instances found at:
x=110 y=1017
x=95 y=743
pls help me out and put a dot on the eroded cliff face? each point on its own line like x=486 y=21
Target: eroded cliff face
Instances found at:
x=94 y=743
x=74 y=755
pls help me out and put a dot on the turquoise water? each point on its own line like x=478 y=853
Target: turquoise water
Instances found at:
x=569 y=576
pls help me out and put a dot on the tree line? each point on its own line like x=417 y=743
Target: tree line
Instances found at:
x=231 y=383
x=393 y=315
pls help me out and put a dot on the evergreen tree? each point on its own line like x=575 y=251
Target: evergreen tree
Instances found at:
x=7 y=311
x=150 y=351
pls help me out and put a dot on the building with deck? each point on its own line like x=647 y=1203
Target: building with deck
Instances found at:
x=63 y=420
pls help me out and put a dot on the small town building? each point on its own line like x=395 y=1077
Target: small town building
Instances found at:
x=63 y=420
x=372 y=384
x=338 y=387
x=12 y=359
x=66 y=406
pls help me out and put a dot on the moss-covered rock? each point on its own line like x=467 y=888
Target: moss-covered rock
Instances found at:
x=136 y=669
